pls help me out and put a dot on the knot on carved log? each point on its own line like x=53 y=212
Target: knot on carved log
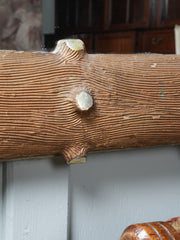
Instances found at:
x=70 y=49
x=75 y=153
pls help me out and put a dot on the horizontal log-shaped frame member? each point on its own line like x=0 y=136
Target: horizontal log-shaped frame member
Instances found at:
x=71 y=102
x=150 y=231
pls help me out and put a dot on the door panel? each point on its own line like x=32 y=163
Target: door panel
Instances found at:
x=35 y=200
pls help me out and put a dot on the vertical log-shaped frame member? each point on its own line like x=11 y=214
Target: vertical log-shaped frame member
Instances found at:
x=71 y=102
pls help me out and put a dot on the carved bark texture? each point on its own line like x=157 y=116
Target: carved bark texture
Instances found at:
x=136 y=101
x=150 y=231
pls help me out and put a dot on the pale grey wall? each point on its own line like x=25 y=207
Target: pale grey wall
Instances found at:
x=113 y=190
x=35 y=200
x=46 y=199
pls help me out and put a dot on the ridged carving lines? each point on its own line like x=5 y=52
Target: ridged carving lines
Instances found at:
x=70 y=102
x=70 y=49
x=74 y=50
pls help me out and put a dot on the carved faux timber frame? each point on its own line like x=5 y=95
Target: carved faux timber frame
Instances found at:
x=150 y=231
x=71 y=102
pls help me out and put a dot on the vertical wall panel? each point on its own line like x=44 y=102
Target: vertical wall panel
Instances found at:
x=116 y=189
x=109 y=192
x=36 y=200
